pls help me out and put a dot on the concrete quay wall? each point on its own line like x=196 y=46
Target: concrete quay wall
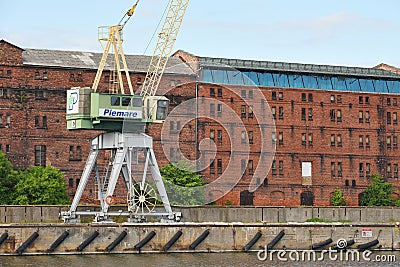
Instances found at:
x=49 y=214
x=222 y=236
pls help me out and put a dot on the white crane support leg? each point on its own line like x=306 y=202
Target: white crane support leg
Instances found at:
x=123 y=145
x=155 y=171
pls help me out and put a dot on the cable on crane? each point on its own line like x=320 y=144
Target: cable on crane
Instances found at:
x=156 y=30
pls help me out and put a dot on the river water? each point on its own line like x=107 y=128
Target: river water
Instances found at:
x=177 y=259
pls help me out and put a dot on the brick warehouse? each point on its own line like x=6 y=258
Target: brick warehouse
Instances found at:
x=339 y=124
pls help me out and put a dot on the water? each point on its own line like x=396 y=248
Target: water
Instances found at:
x=173 y=260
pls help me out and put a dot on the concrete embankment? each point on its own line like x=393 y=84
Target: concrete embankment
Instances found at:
x=217 y=237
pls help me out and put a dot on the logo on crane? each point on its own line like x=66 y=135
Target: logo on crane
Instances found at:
x=72 y=101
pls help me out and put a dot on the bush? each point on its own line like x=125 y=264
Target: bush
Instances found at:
x=338 y=199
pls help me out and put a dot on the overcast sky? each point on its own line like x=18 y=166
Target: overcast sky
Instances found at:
x=335 y=32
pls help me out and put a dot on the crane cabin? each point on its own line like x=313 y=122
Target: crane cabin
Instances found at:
x=101 y=111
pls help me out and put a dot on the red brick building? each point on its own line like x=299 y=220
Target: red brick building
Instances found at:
x=309 y=129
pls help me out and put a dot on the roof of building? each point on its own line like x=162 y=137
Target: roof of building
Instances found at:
x=253 y=65
x=90 y=60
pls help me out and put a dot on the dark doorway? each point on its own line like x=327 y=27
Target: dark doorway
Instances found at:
x=307 y=199
x=246 y=198
x=360 y=198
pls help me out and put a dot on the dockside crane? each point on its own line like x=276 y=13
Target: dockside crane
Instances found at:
x=124 y=117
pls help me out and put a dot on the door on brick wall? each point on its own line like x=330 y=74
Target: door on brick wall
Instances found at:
x=360 y=198
x=307 y=199
x=246 y=198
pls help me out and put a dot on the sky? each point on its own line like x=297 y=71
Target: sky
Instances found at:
x=361 y=33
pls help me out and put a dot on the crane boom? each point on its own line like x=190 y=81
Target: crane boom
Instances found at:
x=164 y=45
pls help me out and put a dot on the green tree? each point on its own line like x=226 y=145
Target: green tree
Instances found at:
x=8 y=179
x=41 y=185
x=338 y=199
x=378 y=193
x=183 y=184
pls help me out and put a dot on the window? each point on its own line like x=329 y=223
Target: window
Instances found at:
x=310 y=117
x=244 y=111
x=368 y=169
x=367 y=116
x=212 y=167
x=339 y=115
x=70 y=182
x=273 y=95
x=332 y=99
x=333 y=169
x=281 y=113
x=303 y=97
x=273 y=167
x=138 y=80
x=388 y=142
x=219 y=166
x=250 y=167
x=339 y=169
x=243 y=137
x=171 y=126
x=40 y=95
x=389 y=169
x=332 y=115
x=281 y=167
x=273 y=134
x=389 y=117
x=212 y=110
x=360 y=116
x=243 y=93
x=40 y=155
x=250 y=137
x=219 y=136
x=333 y=140
x=8 y=148
x=360 y=141
x=45 y=74
x=303 y=114
x=126 y=101
x=172 y=83
x=367 y=100
x=360 y=100
x=44 y=121
x=251 y=112
x=212 y=91
x=310 y=139
x=394 y=101
x=310 y=98
x=339 y=99
x=303 y=139
x=212 y=135
x=219 y=110
x=339 y=140
x=219 y=92
x=395 y=145
x=37 y=75
x=280 y=95
x=361 y=169
x=395 y=118
x=273 y=111
x=280 y=138
x=9 y=73
x=367 y=145
x=115 y=101
x=388 y=101
x=251 y=94
x=395 y=166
